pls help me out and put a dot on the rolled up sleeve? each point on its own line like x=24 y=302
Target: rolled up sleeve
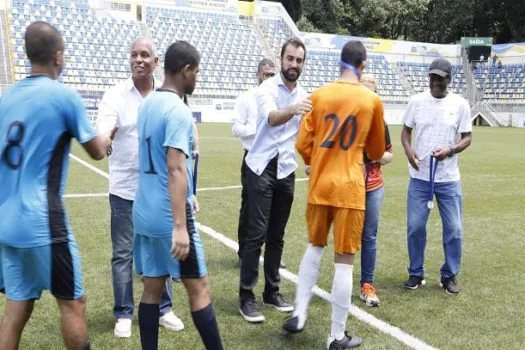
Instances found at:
x=266 y=99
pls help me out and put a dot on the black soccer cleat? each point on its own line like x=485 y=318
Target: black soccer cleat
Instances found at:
x=291 y=325
x=348 y=342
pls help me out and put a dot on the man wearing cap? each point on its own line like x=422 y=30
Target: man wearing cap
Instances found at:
x=441 y=120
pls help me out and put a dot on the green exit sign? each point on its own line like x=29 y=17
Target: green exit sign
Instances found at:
x=476 y=41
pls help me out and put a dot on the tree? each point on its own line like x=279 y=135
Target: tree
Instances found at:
x=327 y=15
x=390 y=19
x=437 y=21
x=305 y=25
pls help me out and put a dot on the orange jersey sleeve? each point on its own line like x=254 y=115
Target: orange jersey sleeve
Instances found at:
x=332 y=138
x=305 y=137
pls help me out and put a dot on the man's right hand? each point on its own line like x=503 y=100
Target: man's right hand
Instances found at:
x=413 y=159
x=111 y=136
x=180 y=243
x=301 y=108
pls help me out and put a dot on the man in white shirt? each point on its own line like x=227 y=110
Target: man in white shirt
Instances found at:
x=243 y=127
x=443 y=129
x=119 y=107
x=271 y=178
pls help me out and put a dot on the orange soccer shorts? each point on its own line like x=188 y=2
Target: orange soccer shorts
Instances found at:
x=348 y=227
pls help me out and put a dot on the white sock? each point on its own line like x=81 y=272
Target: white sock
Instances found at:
x=308 y=275
x=341 y=295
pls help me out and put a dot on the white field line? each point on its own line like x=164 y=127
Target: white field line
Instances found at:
x=87 y=165
x=85 y=195
x=204 y=189
x=358 y=313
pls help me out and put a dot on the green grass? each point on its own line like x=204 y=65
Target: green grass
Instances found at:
x=488 y=313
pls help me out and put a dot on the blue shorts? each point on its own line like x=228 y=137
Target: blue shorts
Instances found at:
x=26 y=272
x=153 y=256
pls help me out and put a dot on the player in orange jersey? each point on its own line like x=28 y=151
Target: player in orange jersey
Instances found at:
x=346 y=118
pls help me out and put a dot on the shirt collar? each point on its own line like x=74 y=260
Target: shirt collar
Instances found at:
x=280 y=82
x=130 y=85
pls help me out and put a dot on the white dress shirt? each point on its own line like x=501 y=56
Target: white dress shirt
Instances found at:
x=438 y=123
x=271 y=141
x=245 y=118
x=119 y=107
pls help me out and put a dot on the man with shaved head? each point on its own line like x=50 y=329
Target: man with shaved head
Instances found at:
x=38 y=118
x=119 y=107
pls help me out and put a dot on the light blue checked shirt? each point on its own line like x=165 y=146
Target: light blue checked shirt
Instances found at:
x=271 y=141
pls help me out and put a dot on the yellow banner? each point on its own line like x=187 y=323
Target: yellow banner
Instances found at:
x=246 y=7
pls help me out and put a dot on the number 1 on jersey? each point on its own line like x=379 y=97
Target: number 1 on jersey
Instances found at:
x=151 y=167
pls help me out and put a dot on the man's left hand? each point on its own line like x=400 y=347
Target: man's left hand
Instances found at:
x=442 y=153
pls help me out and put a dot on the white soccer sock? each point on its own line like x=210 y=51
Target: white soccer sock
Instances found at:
x=308 y=275
x=341 y=296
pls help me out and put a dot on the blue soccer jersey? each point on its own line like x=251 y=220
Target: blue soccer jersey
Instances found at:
x=38 y=118
x=163 y=121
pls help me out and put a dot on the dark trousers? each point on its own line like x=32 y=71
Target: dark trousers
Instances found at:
x=243 y=215
x=269 y=204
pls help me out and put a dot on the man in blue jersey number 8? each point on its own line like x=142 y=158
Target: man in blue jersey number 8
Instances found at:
x=38 y=118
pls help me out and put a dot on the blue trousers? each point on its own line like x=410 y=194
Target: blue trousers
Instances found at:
x=449 y=203
x=374 y=200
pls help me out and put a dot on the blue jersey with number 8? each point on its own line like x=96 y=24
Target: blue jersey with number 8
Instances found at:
x=38 y=118
x=163 y=121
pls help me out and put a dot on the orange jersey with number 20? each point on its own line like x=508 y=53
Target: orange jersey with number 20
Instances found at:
x=346 y=118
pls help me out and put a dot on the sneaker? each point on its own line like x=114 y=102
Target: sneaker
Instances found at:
x=278 y=302
x=449 y=285
x=291 y=325
x=368 y=295
x=348 y=342
x=282 y=265
x=414 y=281
x=123 y=328
x=171 y=322
x=250 y=311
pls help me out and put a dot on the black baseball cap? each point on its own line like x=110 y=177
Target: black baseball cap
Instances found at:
x=441 y=67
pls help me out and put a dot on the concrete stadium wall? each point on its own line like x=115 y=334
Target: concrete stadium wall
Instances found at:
x=221 y=111
x=516 y=120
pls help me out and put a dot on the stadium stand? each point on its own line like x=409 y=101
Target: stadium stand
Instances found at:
x=417 y=73
x=321 y=66
x=97 y=50
x=228 y=45
x=501 y=85
x=275 y=31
